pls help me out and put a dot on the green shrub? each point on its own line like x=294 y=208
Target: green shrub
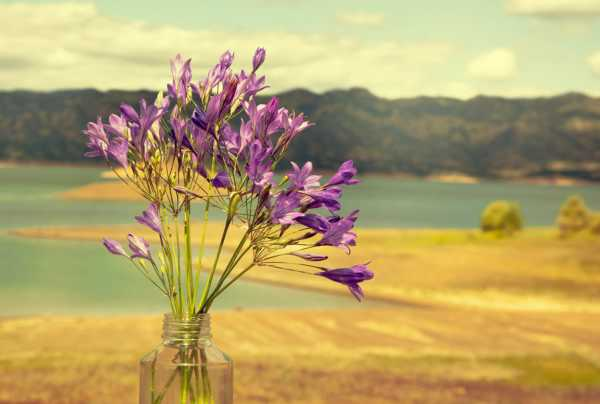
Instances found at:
x=573 y=217
x=502 y=218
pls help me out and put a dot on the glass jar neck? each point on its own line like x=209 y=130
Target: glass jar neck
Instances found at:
x=186 y=331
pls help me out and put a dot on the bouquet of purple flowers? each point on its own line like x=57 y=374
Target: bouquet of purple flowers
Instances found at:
x=183 y=148
x=183 y=151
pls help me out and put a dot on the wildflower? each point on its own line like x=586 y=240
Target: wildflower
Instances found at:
x=351 y=277
x=97 y=140
x=284 y=210
x=114 y=247
x=118 y=149
x=139 y=247
x=258 y=59
x=310 y=257
x=151 y=218
x=344 y=175
x=301 y=178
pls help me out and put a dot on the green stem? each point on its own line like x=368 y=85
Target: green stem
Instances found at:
x=191 y=293
x=228 y=284
x=215 y=263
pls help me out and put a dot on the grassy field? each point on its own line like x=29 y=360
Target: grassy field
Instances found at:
x=472 y=319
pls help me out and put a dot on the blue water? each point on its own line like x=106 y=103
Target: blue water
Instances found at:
x=51 y=276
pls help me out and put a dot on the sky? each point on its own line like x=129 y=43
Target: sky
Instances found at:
x=394 y=48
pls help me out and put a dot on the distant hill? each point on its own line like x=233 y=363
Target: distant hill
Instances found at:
x=483 y=136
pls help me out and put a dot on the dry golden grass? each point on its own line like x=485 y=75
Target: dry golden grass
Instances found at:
x=400 y=355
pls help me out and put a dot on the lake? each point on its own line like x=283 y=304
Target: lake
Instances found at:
x=56 y=277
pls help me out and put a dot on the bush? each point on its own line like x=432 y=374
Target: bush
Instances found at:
x=573 y=217
x=502 y=217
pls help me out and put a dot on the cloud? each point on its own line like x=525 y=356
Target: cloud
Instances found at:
x=498 y=64
x=554 y=8
x=363 y=18
x=72 y=45
x=594 y=63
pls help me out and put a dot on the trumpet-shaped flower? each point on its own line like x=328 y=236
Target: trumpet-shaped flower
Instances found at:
x=351 y=277
x=151 y=218
x=139 y=247
x=114 y=247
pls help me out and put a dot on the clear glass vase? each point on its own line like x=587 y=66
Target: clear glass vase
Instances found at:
x=186 y=368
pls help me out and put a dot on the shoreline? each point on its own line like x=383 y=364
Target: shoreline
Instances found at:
x=450 y=177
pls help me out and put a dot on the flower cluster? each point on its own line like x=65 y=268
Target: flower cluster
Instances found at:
x=210 y=141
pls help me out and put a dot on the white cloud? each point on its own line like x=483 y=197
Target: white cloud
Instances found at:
x=71 y=45
x=554 y=8
x=498 y=64
x=594 y=63
x=364 y=18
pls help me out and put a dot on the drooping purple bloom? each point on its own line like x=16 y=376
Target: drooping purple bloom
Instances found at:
x=139 y=247
x=97 y=139
x=226 y=59
x=178 y=126
x=221 y=180
x=339 y=234
x=258 y=59
x=351 y=277
x=151 y=218
x=315 y=222
x=284 y=210
x=114 y=247
x=310 y=257
x=118 y=149
x=344 y=175
x=301 y=178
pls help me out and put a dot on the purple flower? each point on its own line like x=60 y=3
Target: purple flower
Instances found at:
x=114 y=247
x=178 y=126
x=310 y=257
x=344 y=175
x=315 y=222
x=226 y=59
x=259 y=166
x=97 y=139
x=117 y=125
x=284 y=210
x=221 y=180
x=339 y=234
x=151 y=218
x=139 y=247
x=350 y=277
x=258 y=59
x=118 y=150
x=328 y=198
x=181 y=72
x=301 y=178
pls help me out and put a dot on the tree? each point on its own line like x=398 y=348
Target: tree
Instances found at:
x=503 y=218
x=573 y=217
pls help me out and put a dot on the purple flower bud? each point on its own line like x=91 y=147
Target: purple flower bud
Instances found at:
x=350 y=277
x=114 y=247
x=310 y=257
x=129 y=112
x=139 y=247
x=221 y=180
x=259 y=58
x=119 y=150
x=97 y=139
x=151 y=218
x=226 y=60
x=344 y=175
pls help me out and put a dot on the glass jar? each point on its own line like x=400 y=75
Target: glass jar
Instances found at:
x=186 y=368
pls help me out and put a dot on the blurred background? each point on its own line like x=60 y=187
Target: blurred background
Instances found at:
x=476 y=130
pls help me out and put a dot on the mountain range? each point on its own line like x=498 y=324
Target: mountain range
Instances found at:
x=485 y=136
